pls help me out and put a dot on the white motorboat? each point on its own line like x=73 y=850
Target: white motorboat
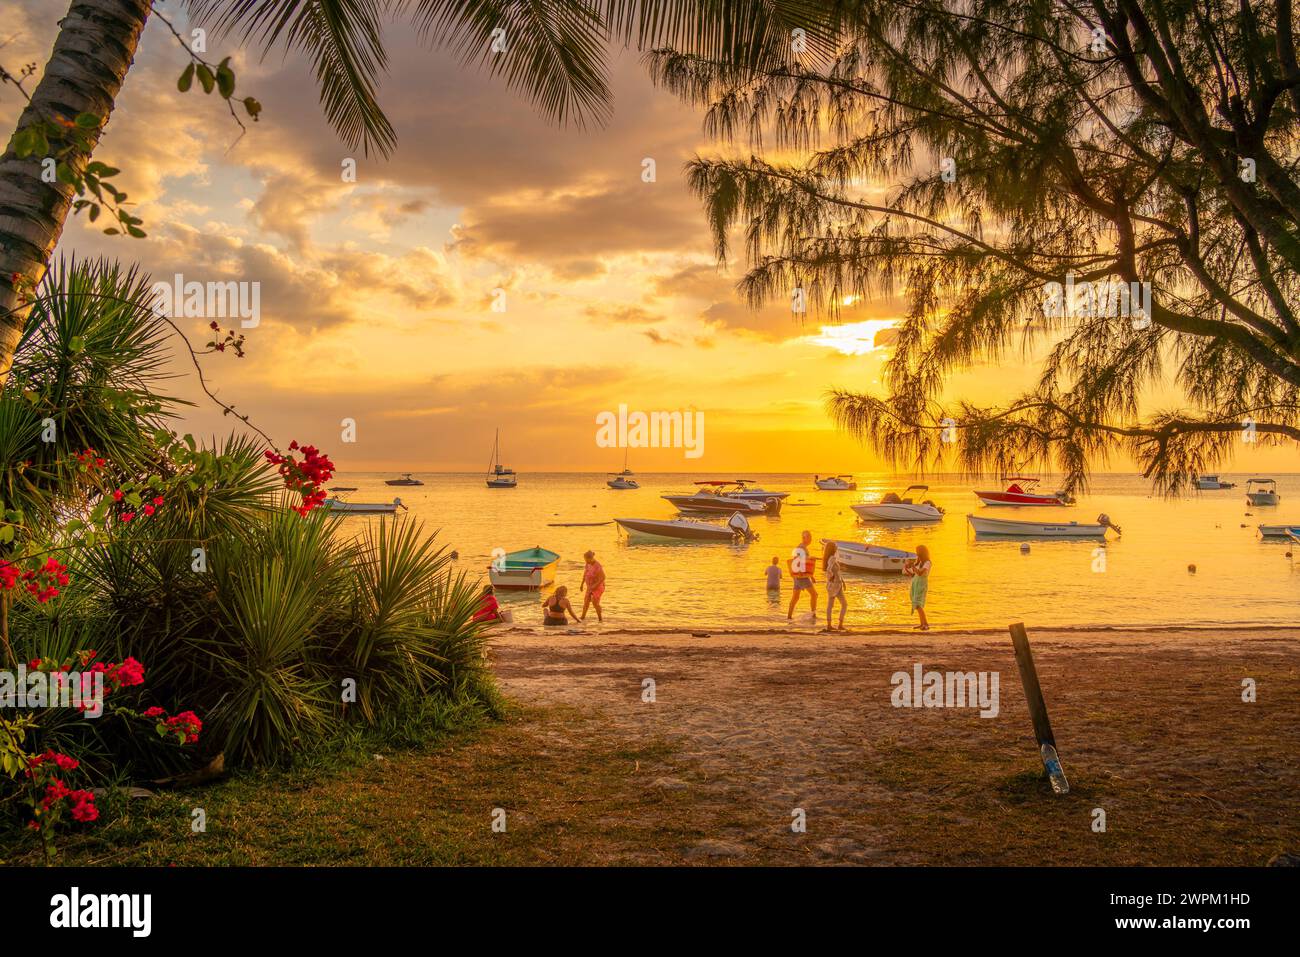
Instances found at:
x=624 y=478
x=1008 y=527
x=870 y=558
x=1211 y=483
x=1262 y=491
x=736 y=529
x=748 y=489
x=1278 y=531
x=900 y=508
x=363 y=508
x=529 y=568
x=404 y=480
x=835 y=483
x=720 y=498
x=498 y=475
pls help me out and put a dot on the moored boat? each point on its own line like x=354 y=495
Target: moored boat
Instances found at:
x=1278 y=531
x=404 y=480
x=527 y=568
x=1262 y=491
x=736 y=529
x=498 y=475
x=835 y=483
x=720 y=498
x=1211 y=483
x=623 y=479
x=1020 y=491
x=363 y=508
x=870 y=558
x=900 y=508
x=1007 y=527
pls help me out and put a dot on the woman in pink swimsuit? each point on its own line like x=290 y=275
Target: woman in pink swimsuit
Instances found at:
x=593 y=583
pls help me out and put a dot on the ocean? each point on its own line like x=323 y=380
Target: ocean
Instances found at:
x=1142 y=578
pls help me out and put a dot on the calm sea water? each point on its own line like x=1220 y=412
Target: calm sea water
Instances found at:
x=1239 y=578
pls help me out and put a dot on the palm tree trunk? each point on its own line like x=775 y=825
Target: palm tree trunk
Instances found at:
x=93 y=51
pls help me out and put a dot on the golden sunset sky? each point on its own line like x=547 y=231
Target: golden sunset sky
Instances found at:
x=376 y=295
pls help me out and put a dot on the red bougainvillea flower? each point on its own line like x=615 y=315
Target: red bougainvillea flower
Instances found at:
x=154 y=712
x=307 y=476
x=117 y=495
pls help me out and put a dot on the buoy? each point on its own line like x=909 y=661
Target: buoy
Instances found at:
x=1024 y=548
x=1192 y=569
x=455 y=556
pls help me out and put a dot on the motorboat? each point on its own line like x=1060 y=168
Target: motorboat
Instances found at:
x=624 y=478
x=1006 y=527
x=1020 y=491
x=900 y=508
x=1278 y=531
x=528 y=568
x=343 y=488
x=362 y=508
x=1262 y=492
x=748 y=489
x=720 y=498
x=736 y=529
x=1211 y=483
x=835 y=483
x=498 y=475
x=404 y=480
x=870 y=558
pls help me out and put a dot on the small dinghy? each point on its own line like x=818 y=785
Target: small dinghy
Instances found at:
x=363 y=508
x=530 y=568
x=736 y=530
x=870 y=558
x=1007 y=527
x=1279 y=531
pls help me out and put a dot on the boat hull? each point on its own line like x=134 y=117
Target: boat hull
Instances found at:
x=713 y=504
x=1278 y=531
x=622 y=483
x=835 y=485
x=871 y=558
x=1010 y=528
x=360 y=508
x=896 y=512
x=1262 y=498
x=677 y=530
x=501 y=483
x=532 y=568
x=1018 y=499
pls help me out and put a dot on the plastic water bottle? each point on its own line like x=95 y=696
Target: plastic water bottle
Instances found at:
x=1054 y=771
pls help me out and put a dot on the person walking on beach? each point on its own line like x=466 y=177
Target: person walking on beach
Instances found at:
x=801 y=574
x=918 y=569
x=834 y=584
x=593 y=583
x=774 y=575
x=554 y=609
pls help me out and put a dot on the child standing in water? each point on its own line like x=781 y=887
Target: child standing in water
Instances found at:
x=918 y=569
x=774 y=576
x=834 y=584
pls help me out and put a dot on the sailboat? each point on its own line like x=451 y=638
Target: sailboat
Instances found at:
x=499 y=476
x=624 y=478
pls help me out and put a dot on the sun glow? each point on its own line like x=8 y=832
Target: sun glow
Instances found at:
x=856 y=338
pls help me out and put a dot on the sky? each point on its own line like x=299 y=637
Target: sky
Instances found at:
x=381 y=299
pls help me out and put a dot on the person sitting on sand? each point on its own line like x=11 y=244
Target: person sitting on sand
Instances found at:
x=593 y=583
x=488 y=609
x=774 y=575
x=801 y=574
x=555 y=607
x=918 y=569
x=834 y=584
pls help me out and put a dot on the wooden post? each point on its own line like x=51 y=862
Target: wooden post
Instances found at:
x=1038 y=709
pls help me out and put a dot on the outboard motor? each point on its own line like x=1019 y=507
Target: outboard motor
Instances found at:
x=740 y=526
x=1104 y=520
x=772 y=506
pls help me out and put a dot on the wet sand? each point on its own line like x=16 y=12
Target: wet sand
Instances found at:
x=1150 y=724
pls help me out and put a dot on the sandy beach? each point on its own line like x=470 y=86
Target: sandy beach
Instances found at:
x=1150 y=723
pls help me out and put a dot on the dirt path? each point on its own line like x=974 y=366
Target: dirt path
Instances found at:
x=1151 y=726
